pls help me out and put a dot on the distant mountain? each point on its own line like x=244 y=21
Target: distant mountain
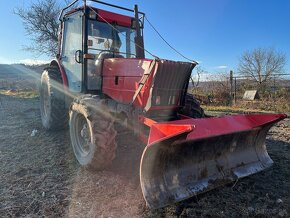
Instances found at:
x=20 y=71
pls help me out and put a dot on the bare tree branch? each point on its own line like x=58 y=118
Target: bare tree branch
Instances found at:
x=41 y=25
x=199 y=71
x=261 y=63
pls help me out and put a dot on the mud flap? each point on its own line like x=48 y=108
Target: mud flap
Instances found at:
x=206 y=154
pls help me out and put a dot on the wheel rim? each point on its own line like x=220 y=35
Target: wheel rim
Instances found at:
x=82 y=136
x=44 y=100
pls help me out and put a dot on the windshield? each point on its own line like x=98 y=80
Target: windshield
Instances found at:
x=115 y=39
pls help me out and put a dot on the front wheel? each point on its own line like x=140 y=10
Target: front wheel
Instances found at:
x=192 y=107
x=53 y=112
x=92 y=132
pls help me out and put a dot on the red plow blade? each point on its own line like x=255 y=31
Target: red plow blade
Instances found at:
x=187 y=157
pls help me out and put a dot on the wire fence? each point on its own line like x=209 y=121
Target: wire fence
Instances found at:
x=228 y=88
x=274 y=86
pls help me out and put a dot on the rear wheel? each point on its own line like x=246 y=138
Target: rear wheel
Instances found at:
x=192 y=107
x=52 y=100
x=92 y=132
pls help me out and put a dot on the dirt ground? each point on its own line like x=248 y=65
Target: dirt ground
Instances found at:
x=40 y=176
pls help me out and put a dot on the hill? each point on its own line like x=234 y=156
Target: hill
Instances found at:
x=20 y=76
x=20 y=70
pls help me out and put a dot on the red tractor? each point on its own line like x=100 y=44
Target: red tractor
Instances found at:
x=101 y=77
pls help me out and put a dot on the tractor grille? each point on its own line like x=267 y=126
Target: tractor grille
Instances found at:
x=169 y=84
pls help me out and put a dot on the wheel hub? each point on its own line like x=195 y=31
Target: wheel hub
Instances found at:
x=85 y=133
x=45 y=100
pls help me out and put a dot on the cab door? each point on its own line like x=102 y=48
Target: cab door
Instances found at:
x=71 y=56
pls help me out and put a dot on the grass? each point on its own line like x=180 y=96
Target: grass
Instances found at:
x=265 y=106
x=233 y=109
x=20 y=93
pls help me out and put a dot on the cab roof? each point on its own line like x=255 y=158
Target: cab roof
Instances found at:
x=106 y=16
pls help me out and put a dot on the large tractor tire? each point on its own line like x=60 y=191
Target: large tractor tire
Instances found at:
x=192 y=107
x=92 y=132
x=54 y=114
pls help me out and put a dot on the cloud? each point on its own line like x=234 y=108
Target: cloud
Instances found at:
x=221 y=67
x=33 y=62
x=203 y=77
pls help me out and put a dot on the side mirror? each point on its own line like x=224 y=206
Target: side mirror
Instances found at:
x=78 y=56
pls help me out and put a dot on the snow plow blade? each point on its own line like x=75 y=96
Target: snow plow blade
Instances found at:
x=190 y=156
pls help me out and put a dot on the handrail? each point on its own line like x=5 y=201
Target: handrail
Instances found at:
x=61 y=13
x=116 y=6
x=100 y=2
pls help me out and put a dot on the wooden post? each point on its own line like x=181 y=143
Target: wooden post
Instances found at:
x=231 y=84
x=235 y=90
x=274 y=87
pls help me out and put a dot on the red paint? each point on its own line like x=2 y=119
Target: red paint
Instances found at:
x=129 y=73
x=147 y=121
x=164 y=107
x=111 y=17
x=183 y=117
x=211 y=127
x=107 y=16
x=62 y=71
x=161 y=131
x=143 y=138
x=143 y=97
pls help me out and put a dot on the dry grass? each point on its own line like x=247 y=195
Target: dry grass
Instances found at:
x=20 y=93
x=258 y=106
x=233 y=109
x=279 y=105
x=40 y=177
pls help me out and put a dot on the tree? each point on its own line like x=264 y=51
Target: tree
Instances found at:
x=199 y=72
x=261 y=63
x=41 y=25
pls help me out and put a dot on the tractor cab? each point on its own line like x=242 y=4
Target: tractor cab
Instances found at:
x=88 y=36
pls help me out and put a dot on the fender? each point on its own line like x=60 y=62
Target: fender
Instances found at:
x=68 y=97
x=56 y=63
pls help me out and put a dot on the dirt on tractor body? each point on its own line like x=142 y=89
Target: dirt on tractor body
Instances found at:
x=40 y=176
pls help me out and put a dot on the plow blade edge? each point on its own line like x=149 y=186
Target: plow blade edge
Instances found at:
x=187 y=157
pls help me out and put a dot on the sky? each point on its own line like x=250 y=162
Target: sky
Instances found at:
x=214 y=33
